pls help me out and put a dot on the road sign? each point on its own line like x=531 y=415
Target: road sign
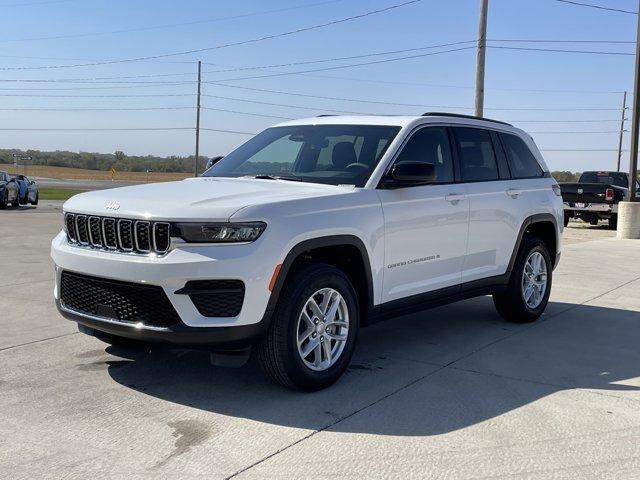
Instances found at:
x=113 y=172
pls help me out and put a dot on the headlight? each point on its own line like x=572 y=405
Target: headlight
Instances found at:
x=220 y=232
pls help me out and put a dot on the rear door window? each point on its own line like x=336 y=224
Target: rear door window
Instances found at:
x=521 y=161
x=477 y=156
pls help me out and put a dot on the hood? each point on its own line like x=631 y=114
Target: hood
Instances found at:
x=212 y=199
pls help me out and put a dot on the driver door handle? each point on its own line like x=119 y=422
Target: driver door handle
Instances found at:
x=514 y=192
x=454 y=198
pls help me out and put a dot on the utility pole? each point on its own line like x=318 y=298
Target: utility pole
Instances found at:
x=628 y=220
x=480 y=58
x=635 y=124
x=624 y=112
x=195 y=170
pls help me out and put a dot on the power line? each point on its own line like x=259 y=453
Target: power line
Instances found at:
x=558 y=50
x=599 y=7
x=339 y=67
x=574 y=132
x=273 y=104
x=226 y=45
x=141 y=95
x=580 y=150
x=150 y=129
x=265 y=115
x=336 y=59
x=91 y=109
x=170 y=25
x=30 y=4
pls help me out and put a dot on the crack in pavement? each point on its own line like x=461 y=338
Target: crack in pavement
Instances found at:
x=424 y=377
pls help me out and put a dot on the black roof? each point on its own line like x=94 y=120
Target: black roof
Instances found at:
x=459 y=115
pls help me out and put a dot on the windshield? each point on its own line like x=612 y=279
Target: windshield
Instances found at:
x=331 y=154
x=618 y=179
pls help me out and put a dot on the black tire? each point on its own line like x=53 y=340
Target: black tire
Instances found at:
x=4 y=200
x=511 y=304
x=35 y=201
x=278 y=354
x=613 y=222
x=24 y=200
x=567 y=217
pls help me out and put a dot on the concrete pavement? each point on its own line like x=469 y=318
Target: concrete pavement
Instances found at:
x=453 y=392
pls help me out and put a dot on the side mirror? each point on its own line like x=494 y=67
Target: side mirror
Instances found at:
x=405 y=174
x=212 y=161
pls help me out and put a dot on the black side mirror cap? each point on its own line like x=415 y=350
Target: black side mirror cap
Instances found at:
x=405 y=174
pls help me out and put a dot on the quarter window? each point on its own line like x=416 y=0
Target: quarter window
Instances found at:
x=521 y=161
x=430 y=145
x=477 y=157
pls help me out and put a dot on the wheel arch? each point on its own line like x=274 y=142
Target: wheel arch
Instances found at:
x=543 y=225
x=347 y=252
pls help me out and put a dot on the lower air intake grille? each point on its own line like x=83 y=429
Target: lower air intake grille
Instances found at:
x=216 y=298
x=116 y=300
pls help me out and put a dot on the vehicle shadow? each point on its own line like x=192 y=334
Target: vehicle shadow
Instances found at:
x=450 y=368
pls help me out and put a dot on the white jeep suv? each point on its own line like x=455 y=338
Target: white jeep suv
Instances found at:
x=311 y=230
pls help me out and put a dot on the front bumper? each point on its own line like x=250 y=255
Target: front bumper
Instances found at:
x=171 y=272
x=217 y=338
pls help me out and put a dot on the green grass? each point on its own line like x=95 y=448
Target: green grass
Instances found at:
x=57 y=193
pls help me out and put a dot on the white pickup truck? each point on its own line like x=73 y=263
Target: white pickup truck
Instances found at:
x=311 y=230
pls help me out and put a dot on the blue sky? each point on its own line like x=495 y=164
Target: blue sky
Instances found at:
x=515 y=79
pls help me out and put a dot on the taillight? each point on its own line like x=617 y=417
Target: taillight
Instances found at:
x=609 y=195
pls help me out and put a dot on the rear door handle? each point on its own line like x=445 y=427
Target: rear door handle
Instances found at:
x=514 y=192
x=454 y=198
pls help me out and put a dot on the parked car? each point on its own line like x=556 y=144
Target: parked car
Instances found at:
x=28 y=190
x=311 y=230
x=8 y=191
x=595 y=197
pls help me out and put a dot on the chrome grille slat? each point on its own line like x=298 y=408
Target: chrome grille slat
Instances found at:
x=141 y=233
x=161 y=239
x=70 y=226
x=95 y=231
x=118 y=234
x=125 y=237
x=109 y=233
x=82 y=233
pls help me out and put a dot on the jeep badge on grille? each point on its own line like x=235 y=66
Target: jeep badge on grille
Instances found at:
x=112 y=206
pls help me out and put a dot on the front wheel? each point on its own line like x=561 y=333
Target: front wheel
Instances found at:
x=4 y=200
x=313 y=333
x=529 y=286
x=35 y=201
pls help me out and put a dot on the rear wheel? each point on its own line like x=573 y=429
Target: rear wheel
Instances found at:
x=313 y=333
x=529 y=286
x=35 y=201
x=4 y=200
x=613 y=222
x=567 y=217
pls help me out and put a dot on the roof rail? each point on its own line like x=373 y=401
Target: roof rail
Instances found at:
x=459 y=115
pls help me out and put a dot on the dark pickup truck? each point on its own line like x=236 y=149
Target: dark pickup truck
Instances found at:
x=595 y=197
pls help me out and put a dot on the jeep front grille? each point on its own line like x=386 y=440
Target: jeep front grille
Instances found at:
x=118 y=234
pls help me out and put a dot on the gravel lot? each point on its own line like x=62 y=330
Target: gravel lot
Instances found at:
x=453 y=392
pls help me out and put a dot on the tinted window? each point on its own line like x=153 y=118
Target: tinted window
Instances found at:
x=333 y=154
x=521 y=161
x=430 y=145
x=477 y=158
x=611 y=178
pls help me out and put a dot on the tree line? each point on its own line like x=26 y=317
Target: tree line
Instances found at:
x=104 y=161
x=132 y=163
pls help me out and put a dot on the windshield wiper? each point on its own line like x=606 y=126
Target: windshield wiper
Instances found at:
x=265 y=176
